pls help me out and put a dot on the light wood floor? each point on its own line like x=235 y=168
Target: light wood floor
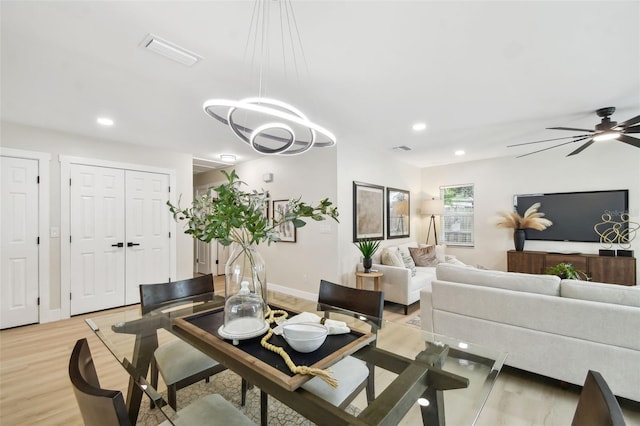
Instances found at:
x=35 y=388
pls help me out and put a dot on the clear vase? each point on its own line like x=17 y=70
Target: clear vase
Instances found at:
x=245 y=264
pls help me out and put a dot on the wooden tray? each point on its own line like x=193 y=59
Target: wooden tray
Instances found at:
x=203 y=328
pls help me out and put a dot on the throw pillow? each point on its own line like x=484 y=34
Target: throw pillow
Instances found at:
x=424 y=256
x=440 y=251
x=408 y=263
x=391 y=256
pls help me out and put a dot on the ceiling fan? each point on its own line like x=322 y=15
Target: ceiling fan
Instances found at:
x=606 y=130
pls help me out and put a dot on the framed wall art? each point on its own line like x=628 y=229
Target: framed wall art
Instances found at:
x=398 y=212
x=368 y=211
x=286 y=231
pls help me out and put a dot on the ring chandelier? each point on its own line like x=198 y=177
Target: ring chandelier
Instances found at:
x=280 y=118
x=268 y=125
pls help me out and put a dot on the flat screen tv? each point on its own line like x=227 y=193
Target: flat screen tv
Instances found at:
x=574 y=214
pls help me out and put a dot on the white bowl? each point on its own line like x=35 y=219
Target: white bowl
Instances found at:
x=304 y=337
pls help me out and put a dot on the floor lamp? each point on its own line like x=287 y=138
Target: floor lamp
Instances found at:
x=434 y=208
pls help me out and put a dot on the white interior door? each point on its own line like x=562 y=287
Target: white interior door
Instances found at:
x=97 y=238
x=202 y=250
x=147 y=223
x=202 y=257
x=19 y=218
x=223 y=256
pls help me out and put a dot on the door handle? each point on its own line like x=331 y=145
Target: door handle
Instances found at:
x=117 y=245
x=132 y=244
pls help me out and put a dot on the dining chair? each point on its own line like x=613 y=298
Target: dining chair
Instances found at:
x=353 y=374
x=597 y=405
x=104 y=407
x=179 y=363
x=98 y=406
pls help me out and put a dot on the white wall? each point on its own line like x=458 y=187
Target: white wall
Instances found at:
x=357 y=163
x=58 y=143
x=606 y=166
x=296 y=268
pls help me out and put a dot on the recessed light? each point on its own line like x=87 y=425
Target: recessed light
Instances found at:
x=418 y=127
x=459 y=152
x=227 y=158
x=104 y=121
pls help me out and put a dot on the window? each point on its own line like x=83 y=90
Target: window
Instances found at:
x=457 y=219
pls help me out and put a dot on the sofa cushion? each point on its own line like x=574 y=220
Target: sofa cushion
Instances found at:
x=541 y=284
x=579 y=319
x=391 y=256
x=440 y=251
x=409 y=263
x=454 y=261
x=424 y=256
x=601 y=292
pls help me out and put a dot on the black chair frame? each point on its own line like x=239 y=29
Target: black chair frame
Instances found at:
x=156 y=296
x=98 y=406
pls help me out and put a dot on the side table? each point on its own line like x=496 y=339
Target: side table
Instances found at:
x=376 y=279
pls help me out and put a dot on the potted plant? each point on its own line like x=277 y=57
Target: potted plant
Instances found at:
x=532 y=219
x=368 y=248
x=567 y=271
x=238 y=218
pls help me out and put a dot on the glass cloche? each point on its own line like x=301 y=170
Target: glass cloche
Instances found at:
x=243 y=315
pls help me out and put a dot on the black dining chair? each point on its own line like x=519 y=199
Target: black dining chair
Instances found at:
x=179 y=363
x=103 y=407
x=597 y=405
x=353 y=374
x=99 y=407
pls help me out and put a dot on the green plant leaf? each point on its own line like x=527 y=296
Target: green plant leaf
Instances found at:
x=238 y=216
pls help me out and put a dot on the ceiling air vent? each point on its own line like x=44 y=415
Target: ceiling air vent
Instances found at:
x=401 y=148
x=170 y=50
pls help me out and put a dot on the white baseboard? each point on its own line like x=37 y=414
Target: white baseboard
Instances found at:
x=293 y=292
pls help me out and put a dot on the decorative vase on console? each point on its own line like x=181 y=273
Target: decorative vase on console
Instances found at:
x=532 y=219
x=367 y=248
x=519 y=236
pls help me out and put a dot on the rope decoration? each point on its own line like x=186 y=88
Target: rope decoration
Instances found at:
x=325 y=375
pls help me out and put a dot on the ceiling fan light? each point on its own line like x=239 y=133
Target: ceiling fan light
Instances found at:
x=606 y=136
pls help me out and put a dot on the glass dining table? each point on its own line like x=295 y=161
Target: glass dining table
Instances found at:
x=420 y=377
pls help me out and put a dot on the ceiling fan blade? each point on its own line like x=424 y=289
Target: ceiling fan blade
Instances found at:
x=549 y=140
x=571 y=128
x=582 y=147
x=630 y=122
x=632 y=129
x=628 y=139
x=551 y=147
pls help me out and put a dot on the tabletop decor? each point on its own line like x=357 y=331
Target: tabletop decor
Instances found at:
x=532 y=219
x=238 y=218
x=296 y=369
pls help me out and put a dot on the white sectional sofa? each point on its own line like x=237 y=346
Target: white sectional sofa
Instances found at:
x=556 y=328
x=399 y=283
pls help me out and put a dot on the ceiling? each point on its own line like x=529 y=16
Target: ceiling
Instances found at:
x=482 y=75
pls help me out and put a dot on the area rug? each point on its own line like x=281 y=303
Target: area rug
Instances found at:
x=227 y=384
x=415 y=321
